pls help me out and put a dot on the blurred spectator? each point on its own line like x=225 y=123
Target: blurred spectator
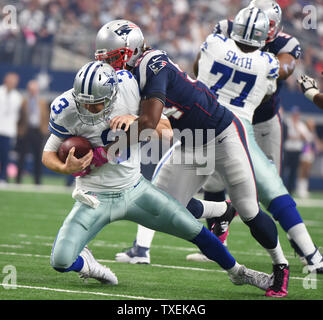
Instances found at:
x=30 y=20
x=10 y=106
x=296 y=135
x=32 y=131
x=310 y=150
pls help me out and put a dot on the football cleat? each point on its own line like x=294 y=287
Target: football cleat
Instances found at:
x=221 y=226
x=199 y=257
x=258 y=279
x=95 y=270
x=136 y=254
x=281 y=277
x=314 y=261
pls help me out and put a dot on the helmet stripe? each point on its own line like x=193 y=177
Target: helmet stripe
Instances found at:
x=85 y=74
x=92 y=77
x=250 y=26
x=254 y=24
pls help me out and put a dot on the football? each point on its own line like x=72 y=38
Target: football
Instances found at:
x=81 y=144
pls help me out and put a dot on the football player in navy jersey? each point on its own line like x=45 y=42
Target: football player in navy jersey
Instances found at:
x=189 y=104
x=268 y=134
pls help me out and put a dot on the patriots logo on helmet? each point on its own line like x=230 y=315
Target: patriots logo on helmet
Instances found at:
x=157 y=65
x=124 y=30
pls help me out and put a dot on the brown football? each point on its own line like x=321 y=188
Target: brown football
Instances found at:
x=81 y=144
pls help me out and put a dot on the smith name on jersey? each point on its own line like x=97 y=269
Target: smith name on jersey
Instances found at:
x=283 y=43
x=240 y=80
x=187 y=103
x=65 y=122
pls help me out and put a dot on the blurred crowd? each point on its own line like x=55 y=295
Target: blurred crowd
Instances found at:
x=177 y=26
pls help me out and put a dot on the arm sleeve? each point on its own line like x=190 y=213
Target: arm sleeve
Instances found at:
x=53 y=143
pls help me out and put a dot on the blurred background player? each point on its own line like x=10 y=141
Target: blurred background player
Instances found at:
x=296 y=136
x=10 y=113
x=310 y=149
x=32 y=131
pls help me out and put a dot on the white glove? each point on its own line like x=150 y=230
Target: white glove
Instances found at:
x=308 y=86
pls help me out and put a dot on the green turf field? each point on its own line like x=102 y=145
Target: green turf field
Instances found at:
x=29 y=222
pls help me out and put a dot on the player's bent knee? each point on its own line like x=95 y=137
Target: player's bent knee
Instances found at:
x=247 y=210
x=63 y=255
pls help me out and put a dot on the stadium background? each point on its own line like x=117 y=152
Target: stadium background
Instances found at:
x=54 y=38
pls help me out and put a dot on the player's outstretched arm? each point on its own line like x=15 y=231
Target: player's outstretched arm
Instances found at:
x=318 y=100
x=310 y=89
x=287 y=65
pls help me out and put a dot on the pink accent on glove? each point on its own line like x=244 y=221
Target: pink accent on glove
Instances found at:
x=100 y=157
x=82 y=173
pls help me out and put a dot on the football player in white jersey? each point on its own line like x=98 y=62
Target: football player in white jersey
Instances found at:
x=274 y=196
x=112 y=189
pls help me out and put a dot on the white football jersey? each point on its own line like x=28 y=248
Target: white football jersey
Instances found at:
x=240 y=80
x=65 y=122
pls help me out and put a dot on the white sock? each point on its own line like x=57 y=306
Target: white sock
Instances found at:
x=144 y=236
x=277 y=255
x=212 y=209
x=301 y=237
x=234 y=269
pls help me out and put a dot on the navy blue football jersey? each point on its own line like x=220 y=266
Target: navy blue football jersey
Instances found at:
x=188 y=104
x=283 y=43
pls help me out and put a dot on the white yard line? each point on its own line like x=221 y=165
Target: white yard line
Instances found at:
x=12 y=286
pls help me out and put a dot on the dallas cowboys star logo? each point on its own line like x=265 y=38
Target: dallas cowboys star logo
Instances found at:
x=110 y=82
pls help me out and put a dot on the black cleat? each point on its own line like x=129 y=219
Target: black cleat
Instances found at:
x=280 y=285
x=221 y=226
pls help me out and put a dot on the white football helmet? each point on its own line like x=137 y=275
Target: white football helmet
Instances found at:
x=96 y=82
x=274 y=13
x=250 y=27
x=119 y=42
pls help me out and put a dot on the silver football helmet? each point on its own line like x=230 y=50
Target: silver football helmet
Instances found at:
x=95 y=83
x=250 y=27
x=273 y=12
x=119 y=42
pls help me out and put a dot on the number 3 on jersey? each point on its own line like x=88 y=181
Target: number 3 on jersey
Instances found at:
x=238 y=77
x=61 y=106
